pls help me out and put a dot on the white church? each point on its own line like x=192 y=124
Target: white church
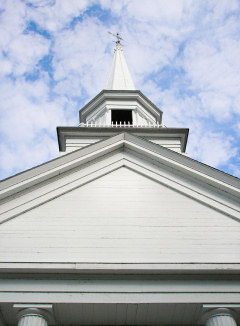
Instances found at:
x=123 y=228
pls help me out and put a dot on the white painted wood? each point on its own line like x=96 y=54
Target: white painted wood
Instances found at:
x=98 y=112
x=111 y=298
x=73 y=144
x=32 y=320
x=32 y=317
x=108 y=99
x=216 y=194
x=119 y=268
x=139 y=285
x=83 y=141
x=121 y=217
x=119 y=76
x=173 y=144
x=221 y=320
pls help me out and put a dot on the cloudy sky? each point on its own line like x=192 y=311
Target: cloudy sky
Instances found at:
x=55 y=56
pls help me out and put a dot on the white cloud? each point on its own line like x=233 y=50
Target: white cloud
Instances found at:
x=212 y=66
x=217 y=10
x=28 y=124
x=211 y=148
x=27 y=109
x=183 y=54
x=151 y=10
x=6 y=66
x=22 y=51
x=25 y=51
x=80 y=61
x=26 y=154
x=54 y=15
x=217 y=104
x=235 y=169
x=12 y=21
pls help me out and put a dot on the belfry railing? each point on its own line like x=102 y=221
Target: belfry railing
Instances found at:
x=120 y=125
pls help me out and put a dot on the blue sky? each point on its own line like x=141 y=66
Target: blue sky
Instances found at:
x=56 y=55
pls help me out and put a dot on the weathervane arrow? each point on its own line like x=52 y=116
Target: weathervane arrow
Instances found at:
x=117 y=36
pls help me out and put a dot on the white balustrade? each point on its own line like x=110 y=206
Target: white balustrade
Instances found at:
x=120 y=125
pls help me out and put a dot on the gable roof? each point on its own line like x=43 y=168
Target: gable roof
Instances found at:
x=33 y=187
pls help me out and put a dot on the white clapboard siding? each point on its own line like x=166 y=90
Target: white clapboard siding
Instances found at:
x=122 y=217
x=73 y=144
x=170 y=143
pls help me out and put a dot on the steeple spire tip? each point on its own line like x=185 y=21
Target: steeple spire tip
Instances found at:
x=119 y=77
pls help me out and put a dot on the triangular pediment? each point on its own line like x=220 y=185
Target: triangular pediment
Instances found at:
x=121 y=217
x=55 y=178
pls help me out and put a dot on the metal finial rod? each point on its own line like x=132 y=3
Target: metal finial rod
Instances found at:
x=117 y=36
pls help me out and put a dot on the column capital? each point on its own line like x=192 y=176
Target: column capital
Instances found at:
x=42 y=310
x=221 y=311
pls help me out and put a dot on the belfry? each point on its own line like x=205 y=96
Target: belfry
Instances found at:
x=123 y=228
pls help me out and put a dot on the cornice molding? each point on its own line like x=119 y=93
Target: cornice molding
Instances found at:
x=71 y=268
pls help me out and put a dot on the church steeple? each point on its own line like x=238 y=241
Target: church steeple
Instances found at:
x=120 y=108
x=120 y=104
x=119 y=77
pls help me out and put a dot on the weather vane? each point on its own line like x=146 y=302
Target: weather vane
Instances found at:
x=117 y=36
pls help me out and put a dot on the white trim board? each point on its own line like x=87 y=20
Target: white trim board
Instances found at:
x=48 y=268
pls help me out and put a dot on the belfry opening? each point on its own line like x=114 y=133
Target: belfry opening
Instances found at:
x=121 y=117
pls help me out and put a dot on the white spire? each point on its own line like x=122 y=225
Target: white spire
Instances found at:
x=119 y=77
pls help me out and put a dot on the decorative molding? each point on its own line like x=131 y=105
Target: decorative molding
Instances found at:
x=118 y=297
x=219 y=306
x=120 y=268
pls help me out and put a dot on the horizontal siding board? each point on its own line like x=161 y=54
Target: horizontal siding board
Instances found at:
x=171 y=143
x=77 y=143
x=119 y=256
x=73 y=144
x=123 y=241
x=82 y=140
